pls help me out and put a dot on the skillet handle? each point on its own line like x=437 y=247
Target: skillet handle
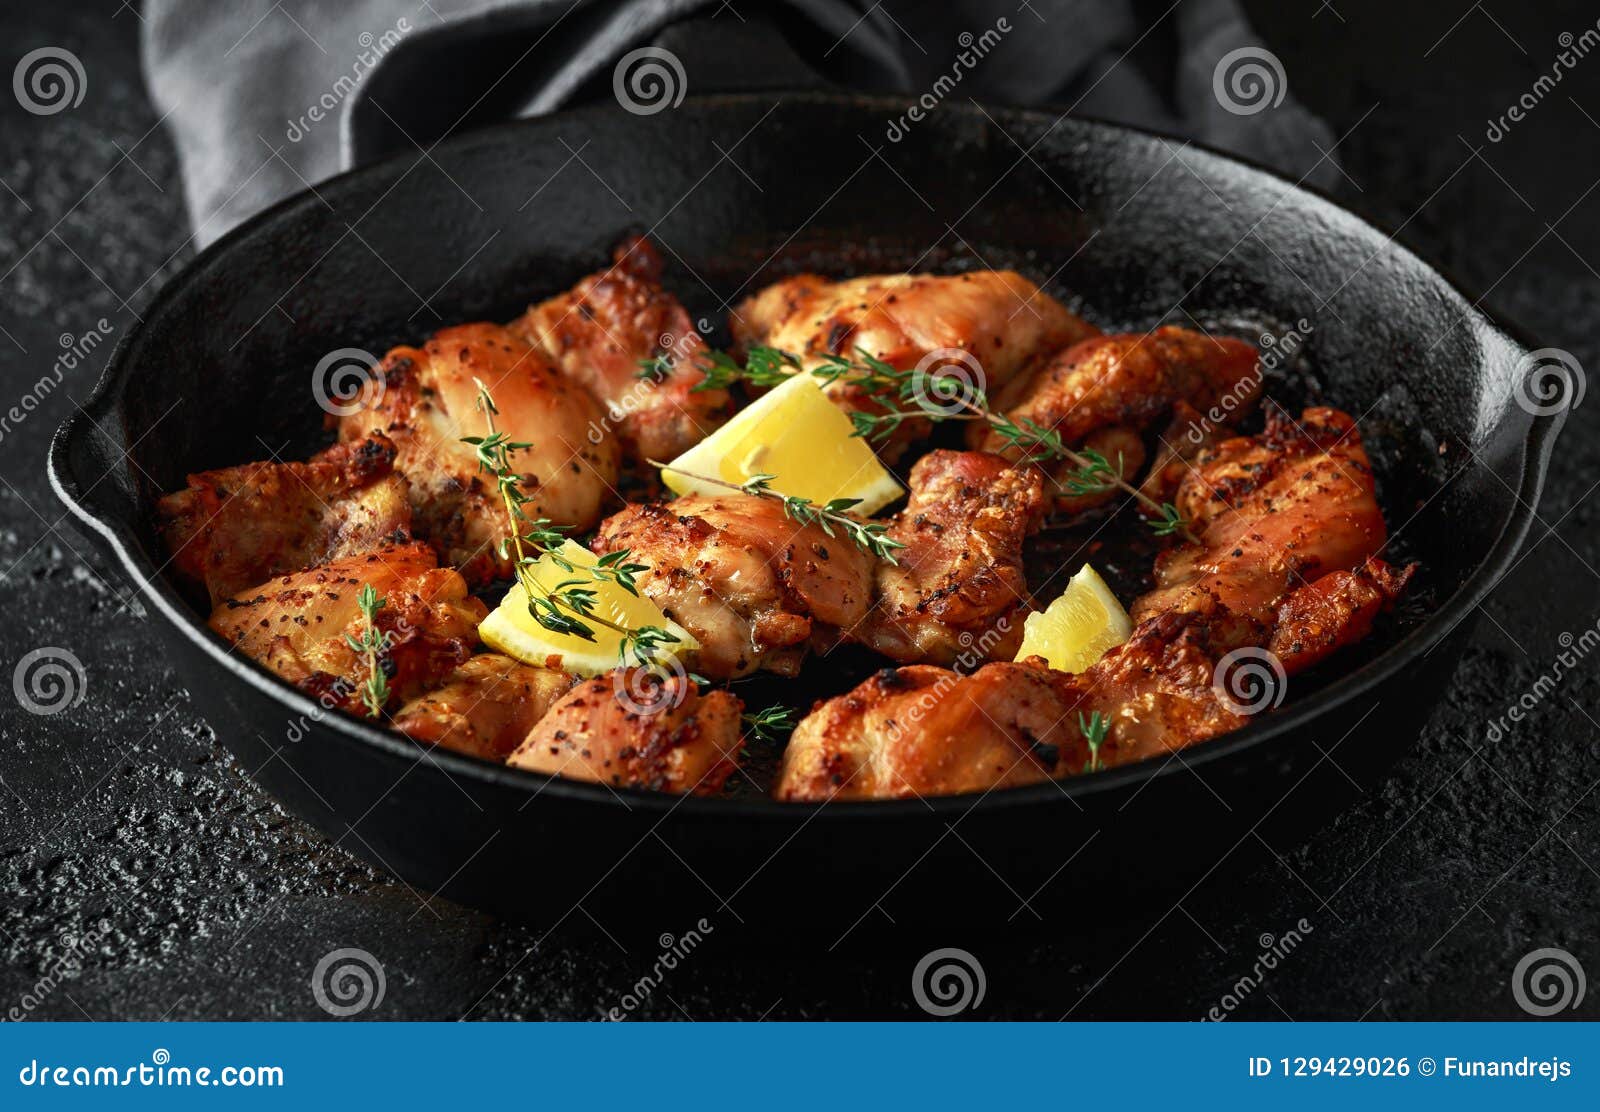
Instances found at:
x=86 y=472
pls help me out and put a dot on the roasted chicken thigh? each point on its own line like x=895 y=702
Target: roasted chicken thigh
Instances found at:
x=959 y=581
x=758 y=590
x=426 y=399
x=238 y=526
x=301 y=625
x=750 y=583
x=484 y=708
x=983 y=326
x=602 y=330
x=637 y=729
x=1104 y=392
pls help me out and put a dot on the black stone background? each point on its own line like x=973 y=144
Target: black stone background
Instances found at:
x=125 y=815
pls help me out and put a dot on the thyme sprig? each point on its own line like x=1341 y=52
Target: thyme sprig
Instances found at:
x=568 y=606
x=372 y=644
x=895 y=392
x=1093 y=728
x=832 y=517
x=770 y=723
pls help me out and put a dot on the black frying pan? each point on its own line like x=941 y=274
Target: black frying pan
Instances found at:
x=1134 y=228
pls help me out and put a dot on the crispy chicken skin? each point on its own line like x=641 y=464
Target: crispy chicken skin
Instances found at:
x=598 y=333
x=758 y=590
x=960 y=579
x=747 y=581
x=998 y=317
x=425 y=400
x=297 y=625
x=1288 y=532
x=1128 y=380
x=1104 y=392
x=238 y=526
x=1273 y=513
x=922 y=730
x=638 y=730
x=485 y=707
x=1334 y=611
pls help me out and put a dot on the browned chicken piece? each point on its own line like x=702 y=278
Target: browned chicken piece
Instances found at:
x=922 y=730
x=1157 y=691
x=299 y=625
x=1120 y=385
x=747 y=581
x=1286 y=562
x=1333 y=611
x=1272 y=513
x=600 y=331
x=959 y=582
x=998 y=318
x=425 y=400
x=1129 y=380
x=758 y=590
x=238 y=526
x=485 y=707
x=636 y=729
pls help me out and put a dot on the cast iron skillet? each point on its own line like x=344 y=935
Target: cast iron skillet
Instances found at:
x=1137 y=227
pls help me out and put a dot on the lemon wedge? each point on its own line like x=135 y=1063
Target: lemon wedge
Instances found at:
x=795 y=434
x=1078 y=628
x=512 y=630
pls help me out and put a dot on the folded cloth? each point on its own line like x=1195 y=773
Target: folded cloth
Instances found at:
x=267 y=97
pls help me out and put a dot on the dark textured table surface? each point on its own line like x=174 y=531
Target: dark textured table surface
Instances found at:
x=130 y=839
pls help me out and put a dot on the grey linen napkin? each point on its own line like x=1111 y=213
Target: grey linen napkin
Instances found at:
x=267 y=97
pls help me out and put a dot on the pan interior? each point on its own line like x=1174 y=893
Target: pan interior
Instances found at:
x=1131 y=230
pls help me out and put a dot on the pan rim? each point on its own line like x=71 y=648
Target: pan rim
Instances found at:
x=155 y=590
